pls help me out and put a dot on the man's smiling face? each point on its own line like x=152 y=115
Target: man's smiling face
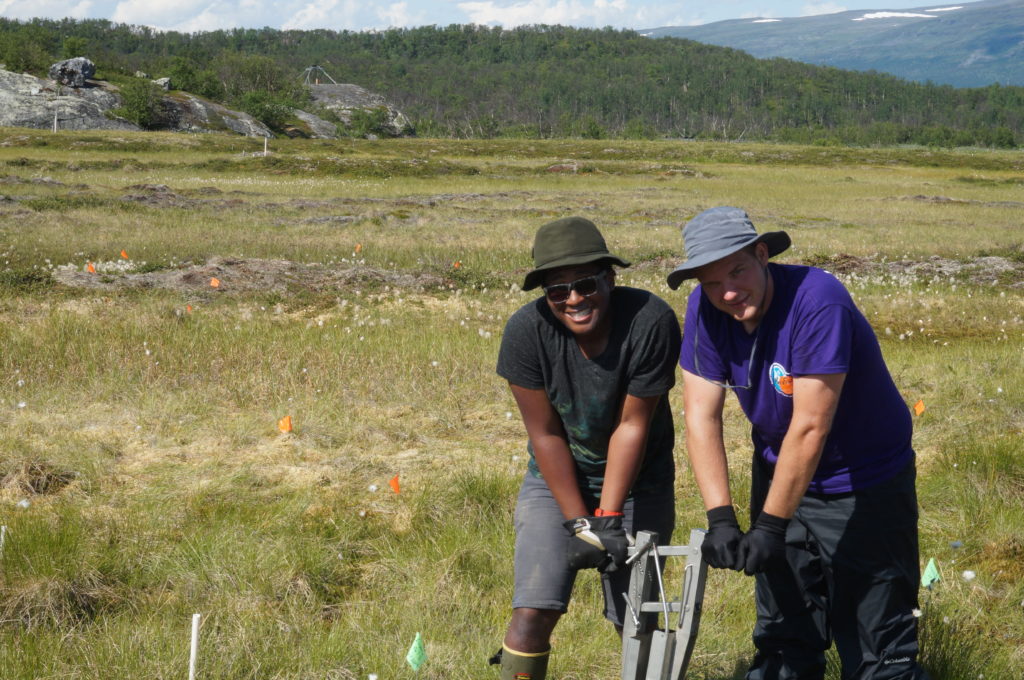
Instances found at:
x=584 y=315
x=739 y=285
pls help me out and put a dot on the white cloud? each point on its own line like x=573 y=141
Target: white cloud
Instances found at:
x=28 y=9
x=815 y=8
x=398 y=14
x=334 y=14
x=160 y=15
x=594 y=13
x=210 y=19
x=566 y=12
x=81 y=10
x=312 y=15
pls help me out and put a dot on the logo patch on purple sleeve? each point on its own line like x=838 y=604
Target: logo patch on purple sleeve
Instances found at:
x=781 y=380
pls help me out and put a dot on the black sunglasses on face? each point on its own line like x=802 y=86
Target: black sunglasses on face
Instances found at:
x=560 y=292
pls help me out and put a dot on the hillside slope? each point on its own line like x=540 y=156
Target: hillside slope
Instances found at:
x=971 y=44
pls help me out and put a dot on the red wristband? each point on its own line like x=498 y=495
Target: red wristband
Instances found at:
x=607 y=513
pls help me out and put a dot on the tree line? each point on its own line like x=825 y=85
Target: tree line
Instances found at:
x=540 y=81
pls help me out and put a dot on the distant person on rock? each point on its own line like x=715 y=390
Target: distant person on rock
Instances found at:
x=590 y=365
x=833 y=507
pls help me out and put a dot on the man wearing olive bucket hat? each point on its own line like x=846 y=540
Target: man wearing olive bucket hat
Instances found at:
x=833 y=509
x=589 y=364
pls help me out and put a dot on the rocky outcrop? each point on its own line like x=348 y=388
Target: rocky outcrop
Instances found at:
x=189 y=113
x=27 y=101
x=73 y=72
x=314 y=127
x=343 y=100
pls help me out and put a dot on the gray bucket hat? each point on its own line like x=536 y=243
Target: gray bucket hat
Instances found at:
x=567 y=242
x=717 y=233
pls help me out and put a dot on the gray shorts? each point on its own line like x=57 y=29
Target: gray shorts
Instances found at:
x=543 y=579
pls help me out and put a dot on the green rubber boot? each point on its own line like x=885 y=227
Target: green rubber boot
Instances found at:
x=522 y=665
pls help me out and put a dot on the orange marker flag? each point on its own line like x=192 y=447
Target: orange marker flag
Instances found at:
x=188 y=308
x=359 y=247
x=456 y=264
x=393 y=483
x=285 y=424
x=124 y=254
x=90 y=268
x=214 y=282
x=919 y=407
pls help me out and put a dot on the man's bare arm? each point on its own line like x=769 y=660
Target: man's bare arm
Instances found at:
x=815 y=398
x=703 y=403
x=550 y=449
x=626 y=450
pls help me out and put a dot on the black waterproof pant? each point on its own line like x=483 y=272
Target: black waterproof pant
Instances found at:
x=851 y=577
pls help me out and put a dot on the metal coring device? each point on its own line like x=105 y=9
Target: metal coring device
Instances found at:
x=650 y=652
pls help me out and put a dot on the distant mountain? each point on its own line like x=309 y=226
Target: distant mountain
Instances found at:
x=964 y=44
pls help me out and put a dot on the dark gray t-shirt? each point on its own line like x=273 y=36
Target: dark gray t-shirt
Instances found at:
x=539 y=352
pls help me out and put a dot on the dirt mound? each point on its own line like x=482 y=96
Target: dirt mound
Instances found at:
x=961 y=201
x=228 y=275
x=982 y=271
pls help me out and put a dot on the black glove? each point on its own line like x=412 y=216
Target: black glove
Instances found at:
x=763 y=544
x=723 y=538
x=597 y=542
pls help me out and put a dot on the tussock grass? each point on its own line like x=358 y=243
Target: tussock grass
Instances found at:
x=139 y=424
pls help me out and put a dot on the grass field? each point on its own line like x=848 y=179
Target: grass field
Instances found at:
x=363 y=290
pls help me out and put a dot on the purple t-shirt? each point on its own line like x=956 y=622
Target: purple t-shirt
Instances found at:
x=811 y=327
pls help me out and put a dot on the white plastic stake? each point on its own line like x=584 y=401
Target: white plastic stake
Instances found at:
x=54 y=121
x=195 y=648
x=3 y=538
x=265 y=145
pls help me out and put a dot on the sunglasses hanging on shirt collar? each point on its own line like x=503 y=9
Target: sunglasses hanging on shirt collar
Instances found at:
x=726 y=385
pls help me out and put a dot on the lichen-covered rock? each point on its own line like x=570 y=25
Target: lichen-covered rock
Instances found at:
x=345 y=99
x=318 y=128
x=73 y=72
x=164 y=83
x=26 y=101
x=190 y=113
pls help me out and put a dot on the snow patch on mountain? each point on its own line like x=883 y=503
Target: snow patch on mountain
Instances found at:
x=894 y=15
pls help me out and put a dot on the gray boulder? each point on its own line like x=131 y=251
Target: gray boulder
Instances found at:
x=164 y=83
x=26 y=101
x=73 y=72
x=345 y=99
x=316 y=127
x=189 y=113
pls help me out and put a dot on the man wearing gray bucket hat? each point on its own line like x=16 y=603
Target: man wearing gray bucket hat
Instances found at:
x=833 y=508
x=590 y=364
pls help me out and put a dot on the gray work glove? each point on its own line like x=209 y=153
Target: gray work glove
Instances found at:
x=596 y=543
x=763 y=545
x=722 y=542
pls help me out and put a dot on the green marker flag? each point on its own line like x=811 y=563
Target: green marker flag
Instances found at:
x=417 y=655
x=930 y=575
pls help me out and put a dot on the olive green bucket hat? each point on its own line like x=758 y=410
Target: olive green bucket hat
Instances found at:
x=567 y=242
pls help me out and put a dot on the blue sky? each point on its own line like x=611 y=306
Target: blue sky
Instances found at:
x=205 y=15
